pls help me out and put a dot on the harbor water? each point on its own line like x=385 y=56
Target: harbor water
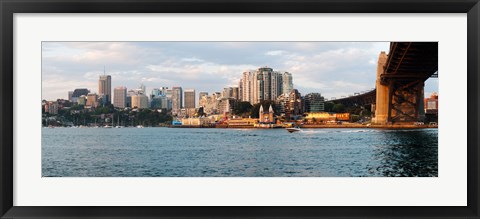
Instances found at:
x=203 y=152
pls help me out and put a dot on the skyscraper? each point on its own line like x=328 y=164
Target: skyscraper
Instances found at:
x=189 y=98
x=287 y=83
x=277 y=84
x=156 y=92
x=246 y=84
x=120 y=97
x=264 y=84
x=105 y=87
x=139 y=101
x=177 y=99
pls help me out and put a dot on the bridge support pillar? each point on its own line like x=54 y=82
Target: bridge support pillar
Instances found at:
x=398 y=100
x=406 y=102
x=382 y=97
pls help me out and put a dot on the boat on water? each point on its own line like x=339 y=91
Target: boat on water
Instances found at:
x=293 y=129
x=118 y=126
x=108 y=126
x=140 y=126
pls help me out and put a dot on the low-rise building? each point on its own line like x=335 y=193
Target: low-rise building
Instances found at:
x=197 y=121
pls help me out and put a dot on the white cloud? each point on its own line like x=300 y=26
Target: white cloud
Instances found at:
x=275 y=53
x=329 y=68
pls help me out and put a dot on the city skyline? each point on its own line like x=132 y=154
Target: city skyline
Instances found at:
x=333 y=69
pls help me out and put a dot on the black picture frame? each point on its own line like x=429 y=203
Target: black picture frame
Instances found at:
x=10 y=7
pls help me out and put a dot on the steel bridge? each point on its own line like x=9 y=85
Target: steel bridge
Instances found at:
x=401 y=75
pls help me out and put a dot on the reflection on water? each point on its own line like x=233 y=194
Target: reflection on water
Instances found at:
x=167 y=152
x=407 y=153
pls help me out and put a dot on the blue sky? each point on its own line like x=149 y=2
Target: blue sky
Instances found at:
x=333 y=69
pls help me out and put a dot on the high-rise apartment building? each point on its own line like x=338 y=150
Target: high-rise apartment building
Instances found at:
x=176 y=99
x=105 y=87
x=189 y=95
x=314 y=102
x=287 y=83
x=139 y=101
x=120 y=97
x=263 y=84
x=246 y=86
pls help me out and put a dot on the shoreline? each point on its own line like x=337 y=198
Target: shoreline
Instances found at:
x=353 y=126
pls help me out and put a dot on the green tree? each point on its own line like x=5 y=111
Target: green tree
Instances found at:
x=338 y=108
x=242 y=108
x=328 y=107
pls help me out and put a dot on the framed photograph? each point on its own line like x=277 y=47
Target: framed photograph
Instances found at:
x=210 y=109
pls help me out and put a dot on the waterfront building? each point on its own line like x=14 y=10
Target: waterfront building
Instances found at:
x=105 y=87
x=320 y=117
x=242 y=122
x=314 y=102
x=120 y=97
x=199 y=121
x=177 y=100
x=266 y=117
x=79 y=92
x=189 y=95
x=139 y=101
x=92 y=100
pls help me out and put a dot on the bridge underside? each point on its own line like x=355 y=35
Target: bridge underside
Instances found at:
x=407 y=67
